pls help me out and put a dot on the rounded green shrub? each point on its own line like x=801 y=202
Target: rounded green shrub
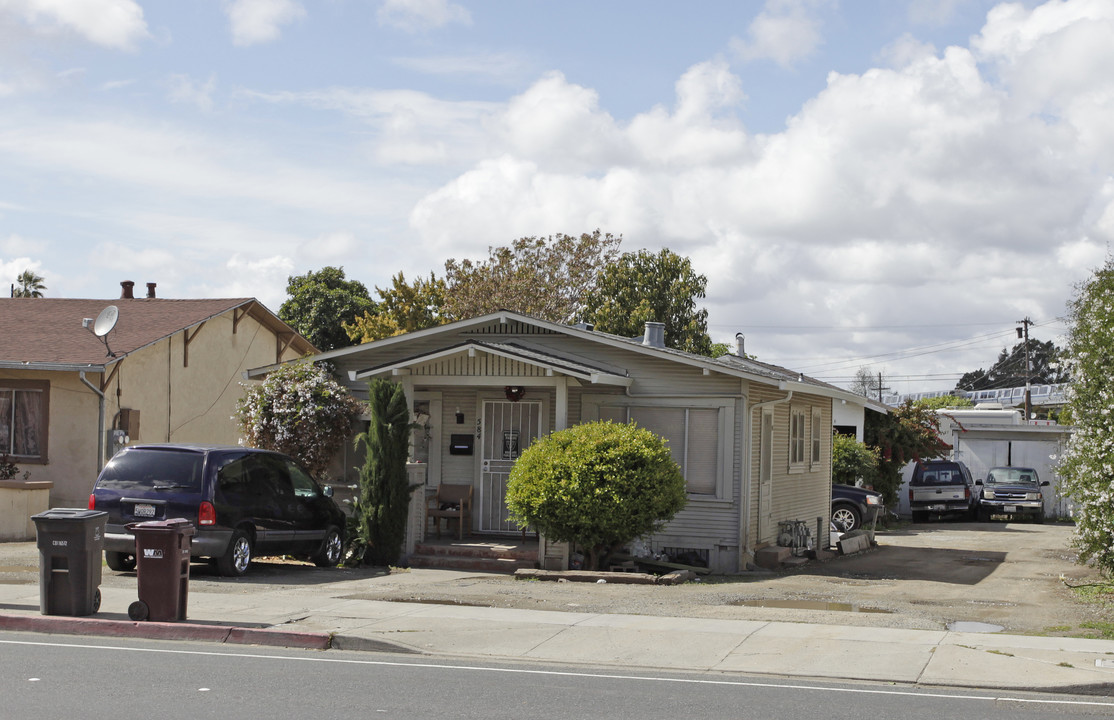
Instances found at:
x=598 y=485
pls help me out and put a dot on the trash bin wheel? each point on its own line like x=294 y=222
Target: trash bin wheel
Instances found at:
x=96 y=600
x=138 y=611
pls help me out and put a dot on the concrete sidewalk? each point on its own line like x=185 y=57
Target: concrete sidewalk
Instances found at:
x=327 y=616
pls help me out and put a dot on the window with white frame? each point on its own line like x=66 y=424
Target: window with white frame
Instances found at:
x=814 y=459
x=797 y=431
x=23 y=419
x=700 y=438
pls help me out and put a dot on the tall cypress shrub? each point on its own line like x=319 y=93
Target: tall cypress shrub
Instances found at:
x=384 y=489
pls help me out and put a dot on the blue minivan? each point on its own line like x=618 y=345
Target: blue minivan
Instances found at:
x=243 y=502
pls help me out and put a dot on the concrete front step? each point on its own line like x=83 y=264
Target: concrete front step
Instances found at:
x=471 y=564
x=479 y=555
x=478 y=550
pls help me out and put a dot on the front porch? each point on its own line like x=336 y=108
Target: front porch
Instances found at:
x=476 y=553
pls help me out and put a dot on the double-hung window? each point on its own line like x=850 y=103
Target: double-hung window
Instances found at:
x=23 y=420
x=699 y=437
x=797 y=433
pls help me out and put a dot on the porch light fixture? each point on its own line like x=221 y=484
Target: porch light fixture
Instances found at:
x=514 y=393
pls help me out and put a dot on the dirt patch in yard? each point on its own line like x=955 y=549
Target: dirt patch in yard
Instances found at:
x=919 y=576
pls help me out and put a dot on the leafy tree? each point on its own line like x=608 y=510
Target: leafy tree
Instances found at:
x=598 y=485
x=28 y=285
x=1085 y=469
x=402 y=308
x=651 y=287
x=853 y=460
x=299 y=410
x=547 y=278
x=319 y=303
x=1009 y=370
x=907 y=433
x=384 y=487
x=944 y=401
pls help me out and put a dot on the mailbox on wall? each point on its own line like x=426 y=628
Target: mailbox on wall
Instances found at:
x=461 y=444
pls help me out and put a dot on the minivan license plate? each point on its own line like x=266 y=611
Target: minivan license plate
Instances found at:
x=143 y=510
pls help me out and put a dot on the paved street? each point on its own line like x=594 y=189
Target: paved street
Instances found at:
x=41 y=676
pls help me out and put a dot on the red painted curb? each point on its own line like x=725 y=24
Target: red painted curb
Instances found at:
x=63 y=625
x=279 y=638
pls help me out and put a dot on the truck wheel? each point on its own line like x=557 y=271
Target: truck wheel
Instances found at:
x=984 y=515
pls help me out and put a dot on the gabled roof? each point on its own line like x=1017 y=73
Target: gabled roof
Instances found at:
x=732 y=365
x=578 y=368
x=47 y=333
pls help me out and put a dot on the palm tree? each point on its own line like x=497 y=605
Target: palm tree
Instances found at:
x=28 y=285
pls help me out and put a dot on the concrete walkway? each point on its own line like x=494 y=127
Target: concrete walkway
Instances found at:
x=326 y=616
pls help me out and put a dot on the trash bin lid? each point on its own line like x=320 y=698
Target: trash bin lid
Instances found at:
x=170 y=524
x=69 y=514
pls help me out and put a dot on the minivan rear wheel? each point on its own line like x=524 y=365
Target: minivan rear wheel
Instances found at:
x=119 y=561
x=331 y=548
x=237 y=558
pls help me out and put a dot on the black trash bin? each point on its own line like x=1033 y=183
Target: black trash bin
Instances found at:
x=70 y=542
x=162 y=554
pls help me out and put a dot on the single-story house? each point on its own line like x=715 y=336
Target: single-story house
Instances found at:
x=754 y=440
x=167 y=371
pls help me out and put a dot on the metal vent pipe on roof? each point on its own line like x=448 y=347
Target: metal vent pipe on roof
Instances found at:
x=151 y=290
x=654 y=335
x=126 y=292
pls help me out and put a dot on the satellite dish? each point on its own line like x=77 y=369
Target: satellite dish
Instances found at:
x=105 y=321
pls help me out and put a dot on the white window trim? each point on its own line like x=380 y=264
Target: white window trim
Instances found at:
x=590 y=411
x=798 y=465
x=816 y=441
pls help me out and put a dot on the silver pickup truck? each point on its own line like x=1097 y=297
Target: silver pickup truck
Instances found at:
x=1012 y=491
x=942 y=487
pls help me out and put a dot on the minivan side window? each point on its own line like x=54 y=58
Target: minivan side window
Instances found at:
x=304 y=485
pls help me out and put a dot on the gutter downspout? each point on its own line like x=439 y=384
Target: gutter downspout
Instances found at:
x=100 y=419
x=744 y=511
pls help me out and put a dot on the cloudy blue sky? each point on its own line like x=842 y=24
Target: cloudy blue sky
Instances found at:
x=880 y=183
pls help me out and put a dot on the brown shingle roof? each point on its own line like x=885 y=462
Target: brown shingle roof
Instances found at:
x=48 y=330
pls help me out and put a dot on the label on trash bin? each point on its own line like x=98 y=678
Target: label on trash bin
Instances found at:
x=60 y=543
x=152 y=553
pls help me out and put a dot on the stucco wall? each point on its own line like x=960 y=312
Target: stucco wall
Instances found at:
x=176 y=403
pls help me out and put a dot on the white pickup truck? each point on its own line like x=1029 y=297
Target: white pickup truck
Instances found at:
x=942 y=487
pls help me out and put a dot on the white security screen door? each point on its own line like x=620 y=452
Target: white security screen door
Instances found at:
x=508 y=429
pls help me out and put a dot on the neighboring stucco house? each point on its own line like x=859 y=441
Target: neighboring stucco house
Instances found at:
x=753 y=440
x=66 y=404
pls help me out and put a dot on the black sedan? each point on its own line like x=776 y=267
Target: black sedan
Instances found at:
x=852 y=505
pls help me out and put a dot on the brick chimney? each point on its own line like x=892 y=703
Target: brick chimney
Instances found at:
x=150 y=290
x=126 y=290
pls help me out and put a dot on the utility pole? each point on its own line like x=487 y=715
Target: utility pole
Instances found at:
x=1023 y=331
x=880 y=388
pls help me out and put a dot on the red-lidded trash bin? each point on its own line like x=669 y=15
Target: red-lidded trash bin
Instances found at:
x=162 y=555
x=70 y=541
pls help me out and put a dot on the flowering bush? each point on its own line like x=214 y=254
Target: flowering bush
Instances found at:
x=9 y=469
x=299 y=410
x=1087 y=468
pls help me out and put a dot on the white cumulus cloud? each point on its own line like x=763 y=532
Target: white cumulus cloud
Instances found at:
x=259 y=21
x=417 y=15
x=112 y=23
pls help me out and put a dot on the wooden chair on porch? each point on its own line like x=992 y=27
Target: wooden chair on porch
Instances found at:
x=452 y=502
